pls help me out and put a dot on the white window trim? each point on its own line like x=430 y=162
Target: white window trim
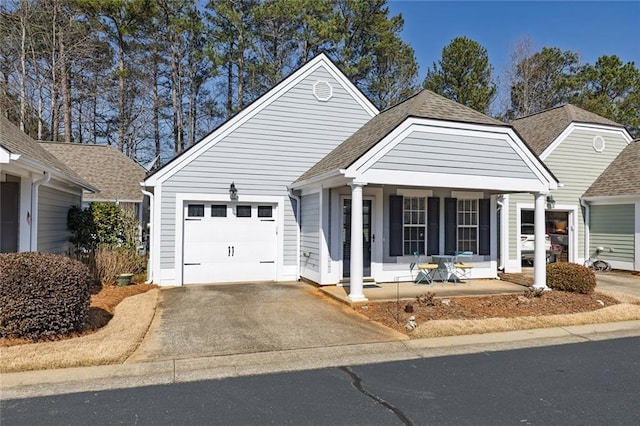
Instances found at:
x=420 y=193
x=476 y=226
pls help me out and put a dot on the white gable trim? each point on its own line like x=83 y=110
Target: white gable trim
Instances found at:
x=6 y=156
x=583 y=126
x=361 y=168
x=261 y=103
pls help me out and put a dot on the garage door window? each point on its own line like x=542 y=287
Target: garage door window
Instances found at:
x=195 y=210
x=243 y=211
x=218 y=210
x=265 y=211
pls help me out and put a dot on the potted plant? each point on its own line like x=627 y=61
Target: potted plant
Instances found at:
x=124 y=279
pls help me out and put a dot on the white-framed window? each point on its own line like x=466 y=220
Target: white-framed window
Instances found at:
x=468 y=225
x=414 y=224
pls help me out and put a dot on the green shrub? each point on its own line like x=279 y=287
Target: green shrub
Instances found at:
x=42 y=295
x=571 y=277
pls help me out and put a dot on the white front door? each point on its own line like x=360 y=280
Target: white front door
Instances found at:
x=232 y=242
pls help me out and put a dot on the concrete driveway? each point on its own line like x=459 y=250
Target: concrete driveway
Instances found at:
x=210 y=320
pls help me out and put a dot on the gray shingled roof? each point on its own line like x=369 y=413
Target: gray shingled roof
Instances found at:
x=116 y=176
x=539 y=130
x=622 y=177
x=425 y=104
x=18 y=142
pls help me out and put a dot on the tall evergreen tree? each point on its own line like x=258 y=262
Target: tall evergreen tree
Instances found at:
x=611 y=88
x=463 y=74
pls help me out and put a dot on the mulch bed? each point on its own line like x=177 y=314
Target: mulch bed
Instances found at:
x=393 y=315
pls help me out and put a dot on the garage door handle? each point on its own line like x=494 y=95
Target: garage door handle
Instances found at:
x=228 y=251
x=233 y=250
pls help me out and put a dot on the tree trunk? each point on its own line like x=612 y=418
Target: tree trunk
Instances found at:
x=64 y=86
x=122 y=117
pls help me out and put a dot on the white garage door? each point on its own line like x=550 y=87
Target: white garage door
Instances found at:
x=229 y=242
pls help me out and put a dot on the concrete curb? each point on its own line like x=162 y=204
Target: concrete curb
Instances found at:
x=83 y=379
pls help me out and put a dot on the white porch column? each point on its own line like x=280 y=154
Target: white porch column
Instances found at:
x=356 y=293
x=540 y=252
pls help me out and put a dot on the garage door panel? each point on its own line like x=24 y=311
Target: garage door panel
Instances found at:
x=229 y=249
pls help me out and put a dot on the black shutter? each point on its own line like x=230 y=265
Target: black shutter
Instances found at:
x=395 y=225
x=450 y=225
x=484 y=226
x=433 y=226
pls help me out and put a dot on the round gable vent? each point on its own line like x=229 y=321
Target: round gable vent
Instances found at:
x=598 y=144
x=322 y=90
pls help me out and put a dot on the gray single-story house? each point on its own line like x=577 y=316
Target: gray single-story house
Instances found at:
x=36 y=192
x=312 y=182
x=612 y=206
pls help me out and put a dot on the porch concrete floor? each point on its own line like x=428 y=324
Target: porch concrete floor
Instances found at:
x=384 y=292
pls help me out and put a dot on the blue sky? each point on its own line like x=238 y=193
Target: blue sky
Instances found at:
x=591 y=29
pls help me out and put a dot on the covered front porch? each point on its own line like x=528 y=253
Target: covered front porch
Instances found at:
x=425 y=176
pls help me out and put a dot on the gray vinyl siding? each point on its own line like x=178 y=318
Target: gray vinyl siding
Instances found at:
x=464 y=155
x=267 y=153
x=309 y=232
x=576 y=165
x=613 y=226
x=53 y=206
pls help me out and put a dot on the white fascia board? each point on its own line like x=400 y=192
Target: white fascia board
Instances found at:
x=442 y=180
x=258 y=105
x=363 y=164
x=318 y=180
x=612 y=199
x=584 y=126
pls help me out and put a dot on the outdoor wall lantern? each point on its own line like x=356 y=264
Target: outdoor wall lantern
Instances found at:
x=233 y=192
x=551 y=203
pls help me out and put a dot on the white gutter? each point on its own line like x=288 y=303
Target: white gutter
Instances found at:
x=149 y=252
x=587 y=222
x=33 y=236
x=298 y=219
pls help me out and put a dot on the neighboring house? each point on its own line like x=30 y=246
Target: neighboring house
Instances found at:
x=311 y=181
x=116 y=176
x=577 y=146
x=36 y=192
x=613 y=210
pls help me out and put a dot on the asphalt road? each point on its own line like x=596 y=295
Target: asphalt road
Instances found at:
x=591 y=383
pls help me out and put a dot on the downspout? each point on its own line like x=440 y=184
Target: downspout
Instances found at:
x=297 y=198
x=587 y=222
x=149 y=252
x=500 y=203
x=33 y=231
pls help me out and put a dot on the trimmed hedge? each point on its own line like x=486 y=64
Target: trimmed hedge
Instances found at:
x=42 y=295
x=571 y=277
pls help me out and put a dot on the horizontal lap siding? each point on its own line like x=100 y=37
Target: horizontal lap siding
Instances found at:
x=309 y=232
x=267 y=153
x=53 y=207
x=613 y=226
x=463 y=155
x=576 y=165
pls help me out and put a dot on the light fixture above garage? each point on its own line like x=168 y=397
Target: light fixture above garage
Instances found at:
x=233 y=192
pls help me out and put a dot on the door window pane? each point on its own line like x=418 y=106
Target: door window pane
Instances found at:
x=218 y=210
x=265 y=211
x=195 y=210
x=243 y=211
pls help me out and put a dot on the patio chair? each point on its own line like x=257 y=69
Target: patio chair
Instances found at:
x=426 y=271
x=463 y=269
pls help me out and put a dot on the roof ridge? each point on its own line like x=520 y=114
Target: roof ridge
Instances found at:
x=542 y=111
